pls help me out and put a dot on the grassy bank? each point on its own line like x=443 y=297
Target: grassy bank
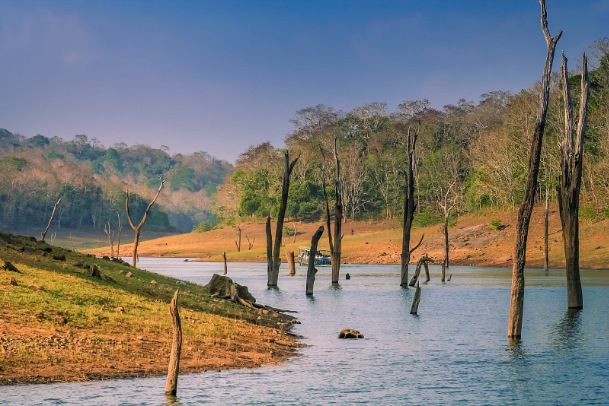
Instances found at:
x=59 y=323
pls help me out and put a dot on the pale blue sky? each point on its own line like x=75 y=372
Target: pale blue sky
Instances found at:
x=221 y=75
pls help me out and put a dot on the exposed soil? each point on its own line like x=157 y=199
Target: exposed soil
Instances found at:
x=473 y=241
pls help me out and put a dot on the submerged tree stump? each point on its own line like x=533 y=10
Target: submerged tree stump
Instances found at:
x=416 y=300
x=291 y=263
x=171 y=387
x=311 y=270
x=223 y=287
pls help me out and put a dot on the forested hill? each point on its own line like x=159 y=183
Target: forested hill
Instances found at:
x=92 y=179
x=469 y=156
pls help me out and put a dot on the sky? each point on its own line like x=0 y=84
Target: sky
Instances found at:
x=222 y=75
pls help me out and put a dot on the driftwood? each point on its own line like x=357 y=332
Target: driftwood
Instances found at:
x=311 y=270
x=416 y=300
x=291 y=263
x=171 y=387
x=422 y=261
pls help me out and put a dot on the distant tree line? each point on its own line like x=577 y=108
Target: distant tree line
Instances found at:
x=469 y=156
x=92 y=181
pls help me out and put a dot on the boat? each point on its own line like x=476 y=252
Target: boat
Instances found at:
x=322 y=257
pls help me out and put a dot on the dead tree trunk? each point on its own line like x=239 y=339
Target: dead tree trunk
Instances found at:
x=273 y=275
x=225 y=267
x=416 y=300
x=291 y=263
x=171 y=386
x=524 y=214
x=44 y=233
x=110 y=234
x=409 y=205
x=238 y=242
x=336 y=253
x=546 y=229
x=336 y=243
x=137 y=229
x=311 y=270
x=119 y=231
x=422 y=262
x=572 y=155
x=269 y=248
x=444 y=270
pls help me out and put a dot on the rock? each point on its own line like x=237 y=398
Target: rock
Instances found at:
x=350 y=333
x=13 y=281
x=129 y=274
x=153 y=282
x=223 y=287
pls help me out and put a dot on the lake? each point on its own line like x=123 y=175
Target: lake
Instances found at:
x=455 y=351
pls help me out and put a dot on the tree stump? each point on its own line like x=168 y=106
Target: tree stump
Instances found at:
x=311 y=270
x=171 y=387
x=291 y=263
x=416 y=300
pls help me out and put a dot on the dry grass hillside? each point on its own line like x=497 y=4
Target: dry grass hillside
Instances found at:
x=473 y=241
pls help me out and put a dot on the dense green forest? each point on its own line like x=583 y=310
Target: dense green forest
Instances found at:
x=468 y=156
x=92 y=180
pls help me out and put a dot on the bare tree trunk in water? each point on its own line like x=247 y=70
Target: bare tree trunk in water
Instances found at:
x=283 y=204
x=572 y=155
x=311 y=270
x=338 y=221
x=524 y=214
x=546 y=239
x=409 y=205
x=171 y=386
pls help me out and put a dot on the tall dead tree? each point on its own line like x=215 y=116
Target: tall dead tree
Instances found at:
x=336 y=243
x=273 y=251
x=137 y=229
x=110 y=234
x=447 y=205
x=569 y=181
x=44 y=233
x=409 y=204
x=525 y=211
x=546 y=231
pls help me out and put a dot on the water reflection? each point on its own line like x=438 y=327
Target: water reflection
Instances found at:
x=567 y=333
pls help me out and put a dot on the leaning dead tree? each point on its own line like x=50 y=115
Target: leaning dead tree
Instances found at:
x=423 y=261
x=525 y=211
x=171 y=386
x=44 y=233
x=311 y=270
x=272 y=251
x=137 y=229
x=409 y=204
x=570 y=177
x=336 y=243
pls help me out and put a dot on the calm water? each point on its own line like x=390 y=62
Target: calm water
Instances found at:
x=455 y=351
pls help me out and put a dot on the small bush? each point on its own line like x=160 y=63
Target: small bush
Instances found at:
x=497 y=225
